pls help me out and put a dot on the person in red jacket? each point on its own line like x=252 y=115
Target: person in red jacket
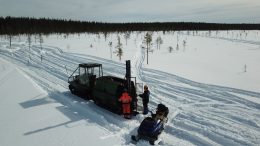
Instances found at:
x=125 y=99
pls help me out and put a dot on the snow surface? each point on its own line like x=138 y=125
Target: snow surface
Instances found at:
x=210 y=84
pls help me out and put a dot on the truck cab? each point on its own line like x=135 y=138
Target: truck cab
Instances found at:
x=82 y=80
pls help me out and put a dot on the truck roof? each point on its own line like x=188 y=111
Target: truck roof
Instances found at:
x=90 y=65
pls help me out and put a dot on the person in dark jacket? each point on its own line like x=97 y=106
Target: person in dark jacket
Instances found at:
x=145 y=98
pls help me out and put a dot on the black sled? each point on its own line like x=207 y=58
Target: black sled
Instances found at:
x=151 y=127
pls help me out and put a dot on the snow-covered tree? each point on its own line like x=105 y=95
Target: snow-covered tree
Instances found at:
x=105 y=36
x=119 y=48
x=147 y=40
x=10 y=37
x=98 y=36
x=177 y=47
x=110 y=44
x=10 y=41
x=29 y=40
x=126 y=36
x=177 y=36
x=41 y=41
x=184 y=44
x=159 y=41
x=170 y=48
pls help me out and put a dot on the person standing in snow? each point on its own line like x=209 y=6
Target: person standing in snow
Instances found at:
x=145 y=98
x=125 y=99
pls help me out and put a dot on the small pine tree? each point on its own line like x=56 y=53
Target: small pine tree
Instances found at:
x=126 y=36
x=184 y=45
x=170 y=48
x=98 y=36
x=148 y=40
x=159 y=41
x=119 y=49
x=110 y=47
x=41 y=42
x=105 y=36
x=29 y=39
x=178 y=37
x=177 y=47
x=10 y=42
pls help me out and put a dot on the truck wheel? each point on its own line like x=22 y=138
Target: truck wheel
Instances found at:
x=72 y=89
x=96 y=101
x=151 y=142
x=87 y=96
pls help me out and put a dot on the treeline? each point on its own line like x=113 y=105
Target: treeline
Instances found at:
x=26 y=25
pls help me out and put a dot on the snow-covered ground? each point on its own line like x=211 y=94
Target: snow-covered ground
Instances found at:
x=209 y=82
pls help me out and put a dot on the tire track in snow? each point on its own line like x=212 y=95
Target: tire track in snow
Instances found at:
x=218 y=100
x=208 y=114
x=196 y=100
x=50 y=75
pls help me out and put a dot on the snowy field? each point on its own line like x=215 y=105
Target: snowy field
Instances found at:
x=208 y=79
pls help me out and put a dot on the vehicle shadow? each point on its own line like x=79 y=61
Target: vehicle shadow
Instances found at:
x=78 y=112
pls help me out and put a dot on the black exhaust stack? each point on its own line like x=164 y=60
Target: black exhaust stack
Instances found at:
x=128 y=76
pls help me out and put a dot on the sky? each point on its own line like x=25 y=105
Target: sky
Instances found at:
x=217 y=11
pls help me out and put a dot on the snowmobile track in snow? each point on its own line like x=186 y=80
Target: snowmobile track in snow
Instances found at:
x=200 y=114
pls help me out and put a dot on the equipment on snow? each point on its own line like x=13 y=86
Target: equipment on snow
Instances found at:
x=151 y=127
x=88 y=82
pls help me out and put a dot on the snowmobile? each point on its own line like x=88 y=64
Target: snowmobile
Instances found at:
x=151 y=127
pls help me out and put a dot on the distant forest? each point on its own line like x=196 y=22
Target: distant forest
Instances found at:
x=26 y=25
